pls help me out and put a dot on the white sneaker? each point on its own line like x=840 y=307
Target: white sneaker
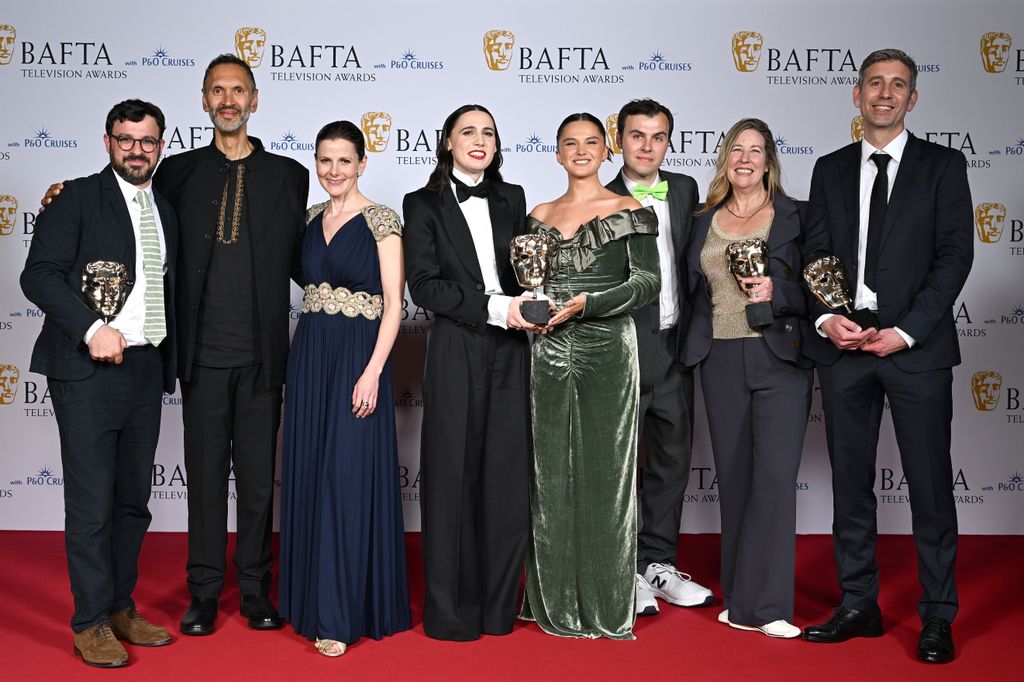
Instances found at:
x=646 y=604
x=780 y=629
x=675 y=587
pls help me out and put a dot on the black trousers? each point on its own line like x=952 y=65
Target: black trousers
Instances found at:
x=109 y=425
x=231 y=420
x=666 y=428
x=474 y=497
x=853 y=393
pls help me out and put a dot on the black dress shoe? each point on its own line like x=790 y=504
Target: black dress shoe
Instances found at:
x=936 y=643
x=845 y=624
x=199 y=617
x=261 y=612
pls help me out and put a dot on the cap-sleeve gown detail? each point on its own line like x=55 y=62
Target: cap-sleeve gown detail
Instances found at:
x=584 y=400
x=343 y=571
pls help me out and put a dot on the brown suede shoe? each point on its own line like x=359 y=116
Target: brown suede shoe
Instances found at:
x=99 y=648
x=128 y=625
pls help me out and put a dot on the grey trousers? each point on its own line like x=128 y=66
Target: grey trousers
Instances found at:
x=757 y=409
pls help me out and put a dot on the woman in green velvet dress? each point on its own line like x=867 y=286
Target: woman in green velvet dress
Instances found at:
x=581 y=558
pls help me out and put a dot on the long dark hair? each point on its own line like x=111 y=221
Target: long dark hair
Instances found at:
x=445 y=161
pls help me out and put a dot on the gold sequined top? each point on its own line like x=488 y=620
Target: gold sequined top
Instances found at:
x=728 y=301
x=381 y=219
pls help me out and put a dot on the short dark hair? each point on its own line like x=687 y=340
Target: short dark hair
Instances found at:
x=343 y=130
x=134 y=110
x=890 y=54
x=229 y=59
x=583 y=116
x=446 y=161
x=645 y=107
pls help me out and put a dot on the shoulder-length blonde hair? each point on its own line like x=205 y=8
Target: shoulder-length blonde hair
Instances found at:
x=719 y=191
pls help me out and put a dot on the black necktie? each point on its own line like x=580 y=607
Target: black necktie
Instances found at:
x=464 y=191
x=876 y=217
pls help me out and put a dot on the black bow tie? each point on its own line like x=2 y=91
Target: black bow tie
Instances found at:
x=464 y=191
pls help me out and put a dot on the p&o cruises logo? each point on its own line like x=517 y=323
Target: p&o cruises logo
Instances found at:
x=547 y=64
x=162 y=58
x=306 y=62
x=43 y=139
x=410 y=61
x=793 y=65
x=44 y=477
x=290 y=142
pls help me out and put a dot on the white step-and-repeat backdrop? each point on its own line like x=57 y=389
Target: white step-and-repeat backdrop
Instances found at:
x=401 y=66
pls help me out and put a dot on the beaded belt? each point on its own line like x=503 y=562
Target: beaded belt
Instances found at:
x=332 y=301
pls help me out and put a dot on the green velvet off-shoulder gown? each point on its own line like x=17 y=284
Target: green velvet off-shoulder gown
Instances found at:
x=585 y=393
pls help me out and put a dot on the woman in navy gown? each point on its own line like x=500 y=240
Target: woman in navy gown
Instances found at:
x=343 y=572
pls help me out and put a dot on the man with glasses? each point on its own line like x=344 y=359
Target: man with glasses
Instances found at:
x=107 y=360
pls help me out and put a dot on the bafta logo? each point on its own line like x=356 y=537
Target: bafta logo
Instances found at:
x=611 y=124
x=857 y=128
x=249 y=44
x=985 y=387
x=989 y=219
x=746 y=50
x=376 y=127
x=8 y=384
x=8 y=213
x=7 y=36
x=995 y=51
x=498 y=45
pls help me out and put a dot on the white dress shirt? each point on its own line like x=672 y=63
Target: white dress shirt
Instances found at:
x=478 y=217
x=863 y=296
x=132 y=318
x=668 y=298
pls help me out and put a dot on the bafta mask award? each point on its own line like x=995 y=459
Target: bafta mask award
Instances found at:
x=827 y=281
x=534 y=257
x=749 y=258
x=105 y=285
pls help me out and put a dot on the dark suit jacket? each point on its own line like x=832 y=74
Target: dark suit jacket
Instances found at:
x=789 y=295
x=87 y=221
x=682 y=200
x=926 y=249
x=440 y=261
x=276 y=190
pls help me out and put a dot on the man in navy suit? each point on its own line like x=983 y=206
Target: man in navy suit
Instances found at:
x=106 y=375
x=896 y=210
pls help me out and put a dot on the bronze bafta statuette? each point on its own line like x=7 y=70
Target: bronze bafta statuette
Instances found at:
x=534 y=258
x=749 y=258
x=827 y=281
x=105 y=285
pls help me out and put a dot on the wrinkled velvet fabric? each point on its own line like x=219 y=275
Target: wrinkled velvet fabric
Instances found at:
x=584 y=398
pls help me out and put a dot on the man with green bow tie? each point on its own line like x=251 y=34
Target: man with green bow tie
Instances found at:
x=666 y=386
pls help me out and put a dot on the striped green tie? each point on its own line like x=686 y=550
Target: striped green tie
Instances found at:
x=155 y=326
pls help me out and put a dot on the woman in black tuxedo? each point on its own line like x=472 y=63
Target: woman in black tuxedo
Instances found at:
x=756 y=385
x=473 y=448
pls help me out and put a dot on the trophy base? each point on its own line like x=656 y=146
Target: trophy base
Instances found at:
x=535 y=312
x=864 y=317
x=759 y=315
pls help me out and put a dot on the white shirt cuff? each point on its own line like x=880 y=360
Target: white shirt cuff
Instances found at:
x=92 y=330
x=907 y=338
x=820 y=321
x=497 y=310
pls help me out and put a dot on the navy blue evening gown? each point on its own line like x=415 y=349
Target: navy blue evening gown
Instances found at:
x=343 y=573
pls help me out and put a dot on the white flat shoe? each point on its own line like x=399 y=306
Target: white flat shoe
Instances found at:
x=723 y=617
x=780 y=629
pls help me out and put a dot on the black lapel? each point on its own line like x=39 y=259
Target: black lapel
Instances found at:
x=501 y=227
x=677 y=213
x=454 y=224
x=849 y=181
x=785 y=226
x=905 y=175
x=124 y=220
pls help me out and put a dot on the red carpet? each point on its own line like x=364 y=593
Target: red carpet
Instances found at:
x=678 y=644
